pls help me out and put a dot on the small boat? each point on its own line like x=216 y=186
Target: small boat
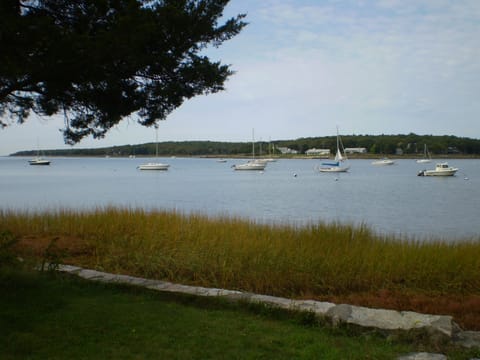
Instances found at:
x=339 y=164
x=254 y=164
x=221 y=160
x=39 y=161
x=269 y=158
x=384 y=161
x=154 y=165
x=426 y=156
x=251 y=165
x=441 y=169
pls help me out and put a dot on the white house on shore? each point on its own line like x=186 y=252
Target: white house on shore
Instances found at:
x=357 y=150
x=317 y=152
x=286 y=150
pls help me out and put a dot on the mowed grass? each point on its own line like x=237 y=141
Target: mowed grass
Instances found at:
x=59 y=317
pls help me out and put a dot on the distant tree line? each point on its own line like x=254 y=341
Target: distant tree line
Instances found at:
x=410 y=144
x=391 y=144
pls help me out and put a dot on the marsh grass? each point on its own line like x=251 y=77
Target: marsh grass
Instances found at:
x=283 y=260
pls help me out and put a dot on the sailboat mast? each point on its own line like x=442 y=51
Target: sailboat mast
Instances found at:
x=253 y=145
x=337 y=141
x=156 y=141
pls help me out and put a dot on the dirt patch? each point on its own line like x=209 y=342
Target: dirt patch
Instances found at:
x=70 y=249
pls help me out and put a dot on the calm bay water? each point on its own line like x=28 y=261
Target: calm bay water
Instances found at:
x=389 y=199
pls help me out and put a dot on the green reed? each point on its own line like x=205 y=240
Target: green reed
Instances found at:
x=228 y=252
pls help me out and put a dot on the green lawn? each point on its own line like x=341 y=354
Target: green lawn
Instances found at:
x=59 y=317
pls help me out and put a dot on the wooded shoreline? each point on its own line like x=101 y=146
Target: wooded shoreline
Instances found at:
x=403 y=146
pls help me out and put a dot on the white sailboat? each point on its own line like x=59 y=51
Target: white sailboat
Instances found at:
x=154 y=165
x=270 y=158
x=253 y=164
x=383 y=161
x=340 y=164
x=38 y=160
x=426 y=156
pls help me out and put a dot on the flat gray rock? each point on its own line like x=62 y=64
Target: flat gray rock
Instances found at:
x=423 y=356
x=390 y=319
x=342 y=313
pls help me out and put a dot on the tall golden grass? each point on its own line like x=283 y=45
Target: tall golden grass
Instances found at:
x=283 y=260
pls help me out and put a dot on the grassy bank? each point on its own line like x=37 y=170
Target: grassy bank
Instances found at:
x=319 y=261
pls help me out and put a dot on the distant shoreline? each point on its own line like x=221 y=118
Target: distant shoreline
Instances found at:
x=282 y=157
x=373 y=146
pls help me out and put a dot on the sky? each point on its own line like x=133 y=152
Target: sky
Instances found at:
x=304 y=67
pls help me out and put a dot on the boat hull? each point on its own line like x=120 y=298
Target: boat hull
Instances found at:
x=250 y=166
x=441 y=169
x=154 y=166
x=39 y=162
x=334 y=169
x=383 y=162
x=438 y=173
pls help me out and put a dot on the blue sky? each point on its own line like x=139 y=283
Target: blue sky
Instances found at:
x=305 y=67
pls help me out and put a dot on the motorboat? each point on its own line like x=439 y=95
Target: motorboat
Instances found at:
x=339 y=164
x=384 y=161
x=441 y=169
x=39 y=161
x=153 y=166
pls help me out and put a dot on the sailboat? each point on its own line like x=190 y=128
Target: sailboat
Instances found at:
x=340 y=162
x=383 y=161
x=426 y=156
x=270 y=158
x=253 y=164
x=154 y=165
x=38 y=160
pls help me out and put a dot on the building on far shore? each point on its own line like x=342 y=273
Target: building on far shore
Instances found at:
x=356 y=150
x=286 y=150
x=318 y=152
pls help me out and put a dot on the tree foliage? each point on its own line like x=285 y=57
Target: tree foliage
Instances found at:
x=98 y=61
x=411 y=146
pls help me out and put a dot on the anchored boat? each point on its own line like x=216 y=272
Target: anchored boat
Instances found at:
x=441 y=169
